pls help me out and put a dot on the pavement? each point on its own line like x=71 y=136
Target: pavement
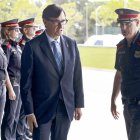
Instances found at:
x=97 y=122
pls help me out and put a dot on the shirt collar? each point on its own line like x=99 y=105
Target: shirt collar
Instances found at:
x=136 y=37
x=50 y=39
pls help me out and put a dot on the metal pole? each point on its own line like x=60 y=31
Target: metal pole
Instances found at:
x=96 y=18
x=86 y=20
x=125 y=3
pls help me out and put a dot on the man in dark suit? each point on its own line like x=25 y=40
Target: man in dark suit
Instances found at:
x=51 y=79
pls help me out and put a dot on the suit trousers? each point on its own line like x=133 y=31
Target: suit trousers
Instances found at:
x=22 y=125
x=57 y=128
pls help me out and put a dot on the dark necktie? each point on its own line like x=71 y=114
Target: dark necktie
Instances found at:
x=57 y=55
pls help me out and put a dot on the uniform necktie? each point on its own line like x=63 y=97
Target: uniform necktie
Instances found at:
x=57 y=55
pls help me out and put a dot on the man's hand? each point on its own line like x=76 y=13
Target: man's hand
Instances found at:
x=77 y=113
x=31 y=119
x=114 y=111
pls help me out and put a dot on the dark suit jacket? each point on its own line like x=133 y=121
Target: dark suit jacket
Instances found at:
x=41 y=82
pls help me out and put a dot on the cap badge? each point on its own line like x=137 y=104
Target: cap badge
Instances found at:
x=121 y=12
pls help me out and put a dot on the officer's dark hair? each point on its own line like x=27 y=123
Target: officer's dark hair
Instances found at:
x=21 y=30
x=3 y=33
x=52 y=11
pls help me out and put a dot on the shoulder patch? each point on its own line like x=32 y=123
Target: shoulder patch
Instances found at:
x=22 y=42
x=7 y=44
x=120 y=44
x=138 y=42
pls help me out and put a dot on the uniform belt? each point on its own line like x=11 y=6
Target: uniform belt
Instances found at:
x=13 y=79
x=133 y=101
x=2 y=82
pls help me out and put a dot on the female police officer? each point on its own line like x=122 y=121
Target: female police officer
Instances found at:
x=4 y=82
x=13 y=53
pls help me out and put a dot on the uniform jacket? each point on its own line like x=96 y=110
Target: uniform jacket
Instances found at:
x=3 y=65
x=41 y=82
x=22 y=42
x=128 y=62
x=13 y=54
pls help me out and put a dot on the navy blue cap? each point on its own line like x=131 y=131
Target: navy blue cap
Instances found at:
x=27 y=23
x=126 y=15
x=10 y=23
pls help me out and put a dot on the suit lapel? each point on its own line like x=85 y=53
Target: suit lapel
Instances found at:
x=45 y=47
x=65 y=51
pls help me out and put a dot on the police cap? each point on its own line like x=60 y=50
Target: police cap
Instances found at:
x=126 y=15
x=10 y=24
x=27 y=23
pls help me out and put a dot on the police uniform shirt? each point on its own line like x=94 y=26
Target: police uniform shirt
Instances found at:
x=128 y=62
x=3 y=65
x=13 y=54
x=22 y=42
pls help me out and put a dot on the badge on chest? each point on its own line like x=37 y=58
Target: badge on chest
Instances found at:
x=137 y=54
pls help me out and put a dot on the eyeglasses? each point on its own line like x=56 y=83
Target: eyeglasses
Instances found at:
x=58 y=22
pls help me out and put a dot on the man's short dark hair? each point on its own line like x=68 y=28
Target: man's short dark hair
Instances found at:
x=52 y=11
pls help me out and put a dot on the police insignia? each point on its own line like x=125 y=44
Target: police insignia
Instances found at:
x=137 y=54
x=121 y=12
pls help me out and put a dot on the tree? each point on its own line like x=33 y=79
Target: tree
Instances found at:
x=6 y=6
x=74 y=17
x=24 y=9
x=106 y=14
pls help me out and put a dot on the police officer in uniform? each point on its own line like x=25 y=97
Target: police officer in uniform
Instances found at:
x=4 y=82
x=28 y=29
x=127 y=77
x=13 y=54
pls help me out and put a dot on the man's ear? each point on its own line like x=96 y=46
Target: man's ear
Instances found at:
x=24 y=30
x=138 y=22
x=44 y=21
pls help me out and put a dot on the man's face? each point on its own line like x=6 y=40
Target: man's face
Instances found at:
x=129 y=29
x=55 y=26
x=29 y=31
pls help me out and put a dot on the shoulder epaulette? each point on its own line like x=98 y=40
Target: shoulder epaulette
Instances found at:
x=138 y=42
x=22 y=42
x=120 y=44
x=7 y=44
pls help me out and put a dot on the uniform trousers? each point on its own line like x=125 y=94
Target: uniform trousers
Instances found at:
x=57 y=128
x=2 y=103
x=11 y=116
x=21 y=125
x=132 y=121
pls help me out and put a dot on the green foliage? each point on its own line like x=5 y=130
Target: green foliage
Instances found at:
x=97 y=57
x=73 y=17
x=106 y=14
x=6 y=6
x=27 y=10
x=75 y=10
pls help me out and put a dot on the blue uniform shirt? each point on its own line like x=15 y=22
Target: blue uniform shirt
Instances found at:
x=128 y=62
